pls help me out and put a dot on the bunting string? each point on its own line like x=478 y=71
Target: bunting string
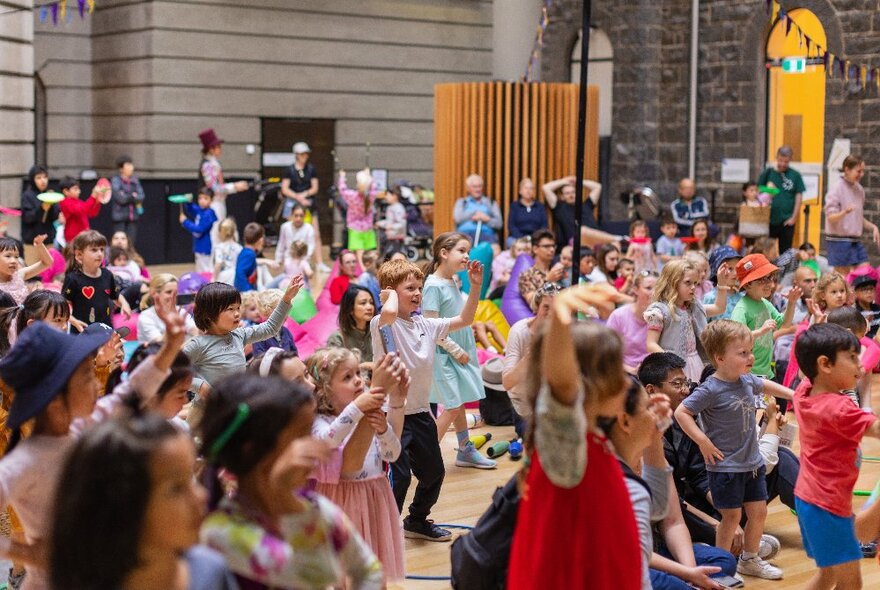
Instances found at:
x=56 y=12
x=538 y=43
x=863 y=75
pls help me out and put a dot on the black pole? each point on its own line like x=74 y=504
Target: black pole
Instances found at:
x=581 y=141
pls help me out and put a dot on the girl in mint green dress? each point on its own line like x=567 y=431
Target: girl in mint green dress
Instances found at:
x=457 y=377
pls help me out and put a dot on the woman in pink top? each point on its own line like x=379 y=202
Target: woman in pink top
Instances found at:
x=845 y=218
x=629 y=323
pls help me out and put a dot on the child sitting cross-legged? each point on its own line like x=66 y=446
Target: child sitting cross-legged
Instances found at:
x=727 y=403
x=830 y=429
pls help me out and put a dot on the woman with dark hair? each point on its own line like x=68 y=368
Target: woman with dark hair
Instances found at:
x=37 y=218
x=607 y=260
x=128 y=514
x=355 y=312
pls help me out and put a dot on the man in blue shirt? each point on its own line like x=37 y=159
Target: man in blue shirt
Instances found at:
x=527 y=215
x=687 y=208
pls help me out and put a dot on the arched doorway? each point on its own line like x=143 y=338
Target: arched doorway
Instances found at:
x=796 y=110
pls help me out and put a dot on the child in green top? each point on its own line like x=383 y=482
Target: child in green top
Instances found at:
x=755 y=311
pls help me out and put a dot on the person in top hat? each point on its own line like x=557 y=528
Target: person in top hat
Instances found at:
x=52 y=375
x=211 y=176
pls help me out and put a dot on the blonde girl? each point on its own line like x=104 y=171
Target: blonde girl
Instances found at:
x=163 y=289
x=351 y=419
x=831 y=292
x=641 y=252
x=700 y=261
x=457 y=377
x=226 y=251
x=677 y=318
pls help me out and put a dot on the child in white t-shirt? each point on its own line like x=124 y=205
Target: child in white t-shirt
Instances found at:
x=414 y=338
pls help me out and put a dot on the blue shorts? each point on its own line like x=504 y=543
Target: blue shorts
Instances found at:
x=828 y=539
x=732 y=490
x=845 y=252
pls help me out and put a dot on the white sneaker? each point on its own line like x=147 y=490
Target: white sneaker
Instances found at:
x=769 y=547
x=758 y=568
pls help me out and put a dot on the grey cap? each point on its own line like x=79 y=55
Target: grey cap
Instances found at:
x=301 y=147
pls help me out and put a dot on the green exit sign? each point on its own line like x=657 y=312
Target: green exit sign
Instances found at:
x=794 y=65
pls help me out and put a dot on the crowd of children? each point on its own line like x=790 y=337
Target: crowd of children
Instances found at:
x=651 y=399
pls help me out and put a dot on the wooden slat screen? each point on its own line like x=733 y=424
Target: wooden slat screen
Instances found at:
x=506 y=131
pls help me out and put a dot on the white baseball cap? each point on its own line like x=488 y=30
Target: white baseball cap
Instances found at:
x=301 y=147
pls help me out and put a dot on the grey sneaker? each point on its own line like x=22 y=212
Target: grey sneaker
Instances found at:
x=425 y=530
x=769 y=547
x=758 y=568
x=471 y=457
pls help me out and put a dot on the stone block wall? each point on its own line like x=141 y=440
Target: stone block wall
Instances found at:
x=651 y=84
x=150 y=75
x=16 y=97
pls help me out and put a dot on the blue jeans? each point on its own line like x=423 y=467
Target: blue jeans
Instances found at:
x=705 y=555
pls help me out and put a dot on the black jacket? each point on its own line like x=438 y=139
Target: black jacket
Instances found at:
x=32 y=221
x=688 y=467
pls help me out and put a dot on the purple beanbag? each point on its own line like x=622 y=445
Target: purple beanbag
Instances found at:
x=513 y=306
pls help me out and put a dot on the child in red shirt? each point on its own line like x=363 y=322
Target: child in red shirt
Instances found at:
x=831 y=428
x=348 y=267
x=575 y=526
x=76 y=212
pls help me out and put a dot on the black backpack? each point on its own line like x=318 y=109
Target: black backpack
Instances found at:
x=480 y=558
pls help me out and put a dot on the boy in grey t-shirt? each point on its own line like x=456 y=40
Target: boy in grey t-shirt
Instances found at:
x=726 y=404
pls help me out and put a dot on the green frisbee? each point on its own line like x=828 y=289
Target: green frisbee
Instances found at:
x=50 y=197
x=184 y=198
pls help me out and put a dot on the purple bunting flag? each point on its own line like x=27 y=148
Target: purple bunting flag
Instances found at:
x=54 y=8
x=81 y=5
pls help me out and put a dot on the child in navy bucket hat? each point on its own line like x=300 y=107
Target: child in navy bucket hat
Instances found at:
x=52 y=375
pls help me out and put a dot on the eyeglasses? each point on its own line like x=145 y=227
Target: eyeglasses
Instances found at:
x=768 y=279
x=679 y=383
x=548 y=289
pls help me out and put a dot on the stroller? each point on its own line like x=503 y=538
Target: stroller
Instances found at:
x=419 y=235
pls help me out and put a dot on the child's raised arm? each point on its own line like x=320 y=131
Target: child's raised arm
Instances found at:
x=720 y=305
x=388 y=298
x=469 y=311
x=45 y=258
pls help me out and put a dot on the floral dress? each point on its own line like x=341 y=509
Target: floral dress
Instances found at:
x=312 y=550
x=679 y=333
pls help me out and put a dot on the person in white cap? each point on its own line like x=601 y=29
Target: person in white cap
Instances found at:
x=299 y=184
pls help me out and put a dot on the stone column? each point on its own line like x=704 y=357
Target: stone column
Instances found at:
x=16 y=98
x=514 y=23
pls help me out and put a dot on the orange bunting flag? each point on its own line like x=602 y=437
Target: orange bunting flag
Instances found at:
x=91 y=4
x=62 y=10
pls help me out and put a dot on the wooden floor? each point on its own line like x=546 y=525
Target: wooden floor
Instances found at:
x=467 y=492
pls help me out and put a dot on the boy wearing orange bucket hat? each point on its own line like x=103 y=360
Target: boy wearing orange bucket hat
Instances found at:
x=756 y=277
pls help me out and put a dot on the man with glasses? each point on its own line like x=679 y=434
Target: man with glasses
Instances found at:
x=805 y=279
x=543 y=251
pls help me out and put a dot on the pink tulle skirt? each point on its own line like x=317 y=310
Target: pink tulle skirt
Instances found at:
x=370 y=505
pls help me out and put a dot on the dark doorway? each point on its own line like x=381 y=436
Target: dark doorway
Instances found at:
x=278 y=137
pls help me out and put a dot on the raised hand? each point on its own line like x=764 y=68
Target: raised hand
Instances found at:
x=38 y=241
x=370 y=400
x=581 y=298
x=175 y=325
x=388 y=371
x=794 y=294
x=293 y=467
x=377 y=421
x=296 y=283
x=475 y=273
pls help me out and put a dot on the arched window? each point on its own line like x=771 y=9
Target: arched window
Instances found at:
x=600 y=73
